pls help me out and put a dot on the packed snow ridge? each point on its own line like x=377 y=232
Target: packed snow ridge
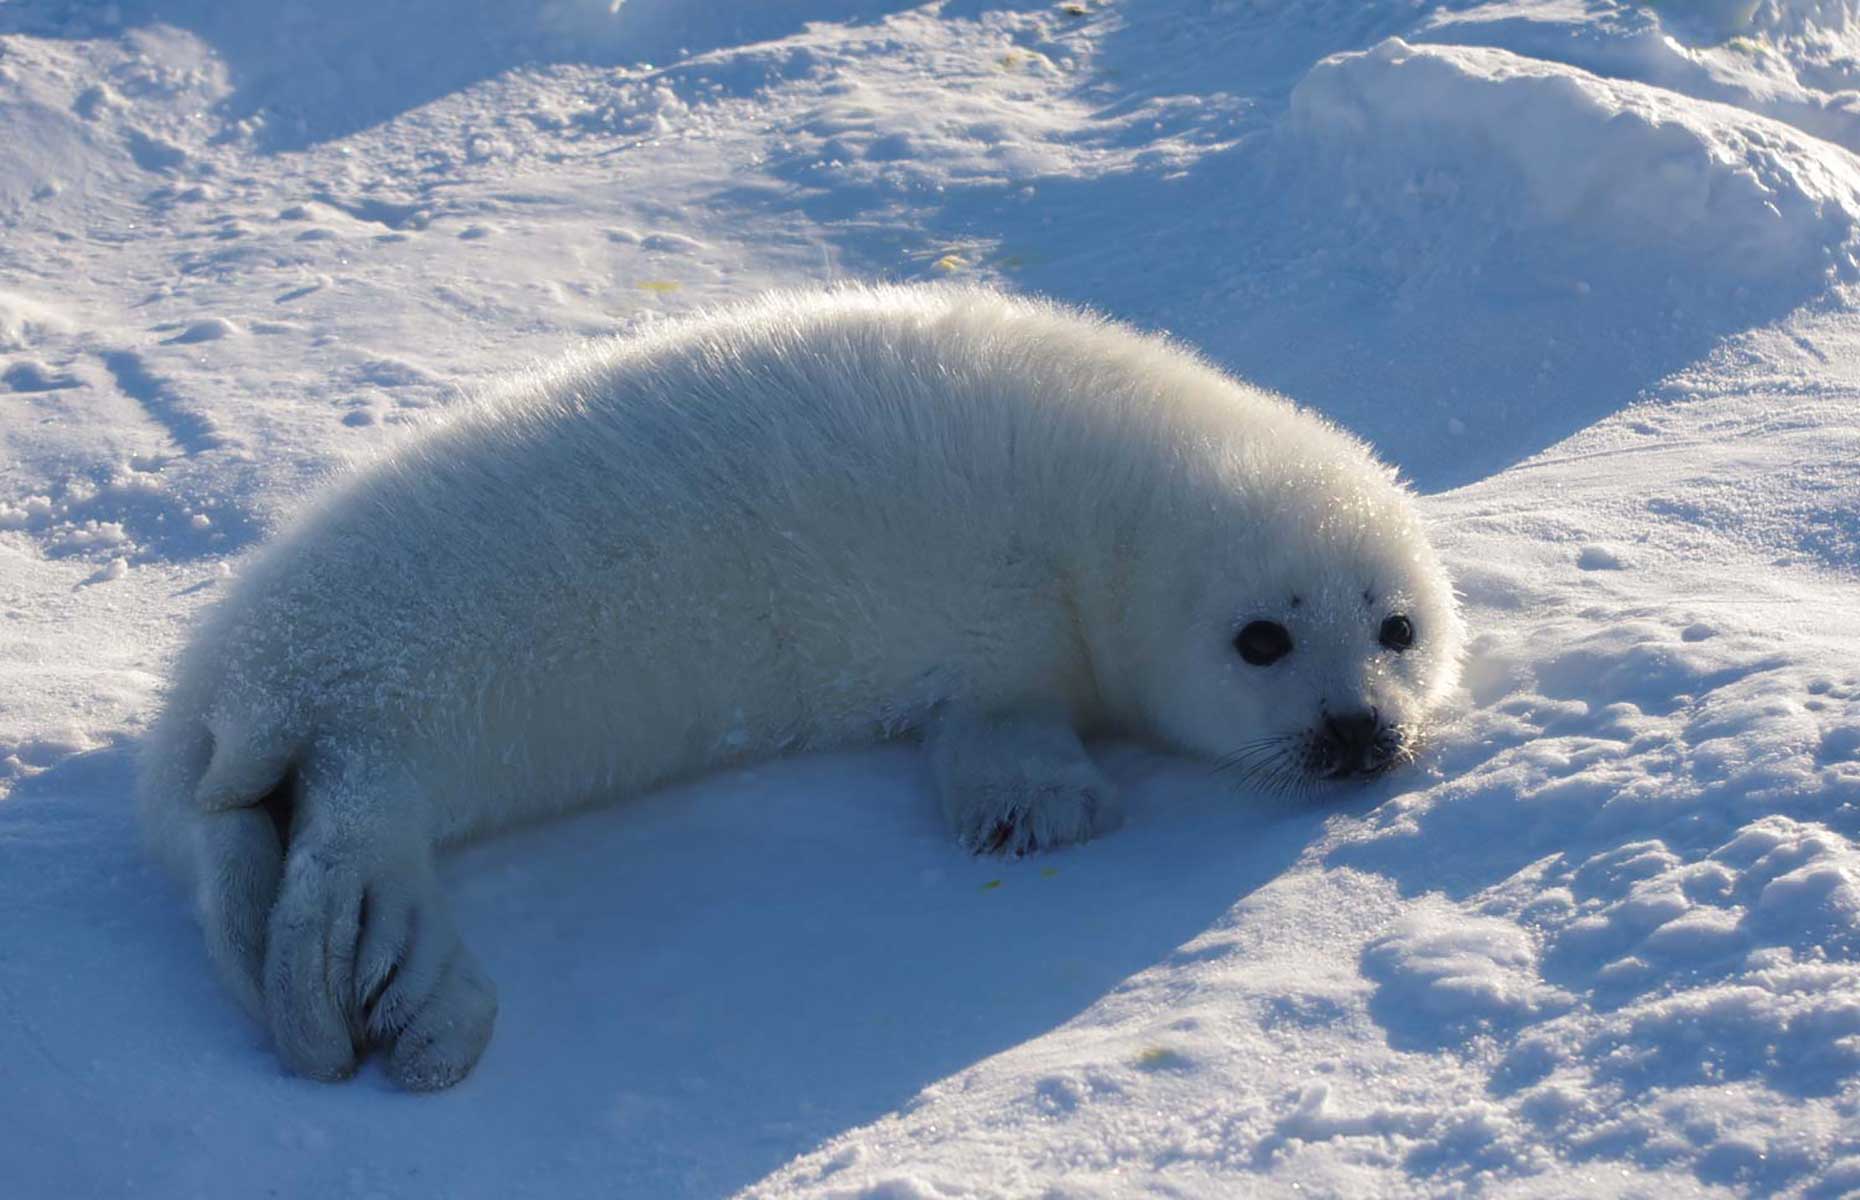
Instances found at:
x=1592 y=159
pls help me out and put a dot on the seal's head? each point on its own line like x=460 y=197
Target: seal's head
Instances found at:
x=1304 y=629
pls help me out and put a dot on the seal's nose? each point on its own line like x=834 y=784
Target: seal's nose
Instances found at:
x=1352 y=740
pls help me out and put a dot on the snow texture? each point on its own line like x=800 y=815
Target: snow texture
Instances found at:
x=1586 y=271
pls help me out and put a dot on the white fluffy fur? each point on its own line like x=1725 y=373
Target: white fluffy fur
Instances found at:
x=818 y=520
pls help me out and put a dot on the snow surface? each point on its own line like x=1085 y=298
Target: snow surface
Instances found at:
x=1585 y=269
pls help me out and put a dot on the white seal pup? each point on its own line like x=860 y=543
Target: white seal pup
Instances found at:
x=818 y=520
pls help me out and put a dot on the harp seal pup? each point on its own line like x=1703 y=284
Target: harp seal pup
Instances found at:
x=824 y=518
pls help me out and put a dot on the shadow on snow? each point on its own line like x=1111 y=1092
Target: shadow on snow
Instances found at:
x=695 y=986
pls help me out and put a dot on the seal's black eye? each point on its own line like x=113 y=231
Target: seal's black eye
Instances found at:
x=1397 y=633
x=1263 y=643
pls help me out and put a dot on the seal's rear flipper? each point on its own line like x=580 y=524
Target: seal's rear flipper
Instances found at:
x=241 y=818
x=238 y=862
x=244 y=770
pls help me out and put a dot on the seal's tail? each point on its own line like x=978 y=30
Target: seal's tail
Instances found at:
x=213 y=806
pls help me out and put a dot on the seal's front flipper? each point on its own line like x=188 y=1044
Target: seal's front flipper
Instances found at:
x=1013 y=783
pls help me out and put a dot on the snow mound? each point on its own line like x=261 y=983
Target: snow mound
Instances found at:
x=209 y=329
x=1601 y=161
x=1455 y=973
x=1800 y=18
x=25 y=322
x=1791 y=60
x=1481 y=222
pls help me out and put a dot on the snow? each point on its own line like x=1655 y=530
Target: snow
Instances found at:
x=1608 y=159
x=1585 y=270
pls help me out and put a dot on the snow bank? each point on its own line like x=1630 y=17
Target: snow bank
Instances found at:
x=1515 y=247
x=1599 y=161
x=1790 y=60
